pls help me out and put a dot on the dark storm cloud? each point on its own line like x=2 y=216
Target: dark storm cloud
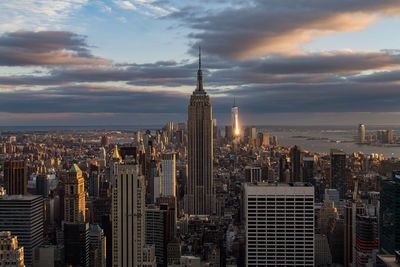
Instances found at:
x=277 y=26
x=310 y=68
x=346 y=97
x=91 y=99
x=24 y=48
x=328 y=97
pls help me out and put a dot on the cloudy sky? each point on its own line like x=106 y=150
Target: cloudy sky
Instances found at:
x=134 y=62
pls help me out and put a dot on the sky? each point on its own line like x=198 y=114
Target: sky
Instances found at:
x=134 y=62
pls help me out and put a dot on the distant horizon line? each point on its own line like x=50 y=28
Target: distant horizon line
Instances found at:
x=161 y=125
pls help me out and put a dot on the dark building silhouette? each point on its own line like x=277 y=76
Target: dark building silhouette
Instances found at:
x=296 y=160
x=338 y=171
x=76 y=244
x=15 y=177
x=389 y=239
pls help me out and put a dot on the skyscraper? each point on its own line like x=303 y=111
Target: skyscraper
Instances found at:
x=98 y=244
x=128 y=211
x=15 y=177
x=361 y=134
x=168 y=174
x=338 y=171
x=279 y=222
x=308 y=169
x=389 y=215
x=235 y=120
x=76 y=244
x=296 y=160
x=23 y=217
x=74 y=211
x=76 y=231
x=366 y=245
x=156 y=221
x=200 y=196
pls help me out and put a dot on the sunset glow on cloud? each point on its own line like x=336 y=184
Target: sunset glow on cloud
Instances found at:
x=84 y=59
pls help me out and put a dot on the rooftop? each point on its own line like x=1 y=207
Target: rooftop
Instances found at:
x=75 y=168
x=19 y=197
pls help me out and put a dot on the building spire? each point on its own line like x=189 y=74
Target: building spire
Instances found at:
x=234 y=101
x=200 y=75
x=199 y=58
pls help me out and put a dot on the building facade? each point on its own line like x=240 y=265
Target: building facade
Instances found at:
x=168 y=174
x=23 y=217
x=279 y=222
x=15 y=177
x=128 y=212
x=74 y=211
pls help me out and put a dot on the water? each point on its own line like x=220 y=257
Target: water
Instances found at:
x=325 y=138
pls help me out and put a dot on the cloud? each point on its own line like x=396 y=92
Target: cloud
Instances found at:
x=125 y=5
x=277 y=27
x=25 y=48
x=92 y=98
x=150 y=8
x=37 y=14
x=314 y=68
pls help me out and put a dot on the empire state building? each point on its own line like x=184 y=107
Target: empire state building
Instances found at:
x=200 y=196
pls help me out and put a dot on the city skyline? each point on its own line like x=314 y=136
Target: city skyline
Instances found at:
x=78 y=62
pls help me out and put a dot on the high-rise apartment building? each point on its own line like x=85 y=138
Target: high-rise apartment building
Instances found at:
x=10 y=254
x=361 y=134
x=23 y=217
x=168 y=174
x=74 y=205
x=279 y=221
x=15 y=177
x=128 y=212
x=338 y=171
x=200 y=195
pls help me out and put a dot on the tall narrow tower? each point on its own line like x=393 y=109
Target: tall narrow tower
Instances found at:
x=361 y=134
x=200 y=197
x=74 y=196
x=235 y=120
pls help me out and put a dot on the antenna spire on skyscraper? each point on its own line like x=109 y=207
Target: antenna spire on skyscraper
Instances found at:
x=200 y=75
x=199 y=57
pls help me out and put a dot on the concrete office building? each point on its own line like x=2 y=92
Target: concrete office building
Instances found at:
x=279 y=221
x=128 y=212
x=168 y=174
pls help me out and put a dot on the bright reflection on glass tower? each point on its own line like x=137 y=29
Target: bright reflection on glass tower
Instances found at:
x=235 y=120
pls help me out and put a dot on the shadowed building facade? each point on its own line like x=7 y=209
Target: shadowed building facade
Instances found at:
x=15 y=177
x=200 y=197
